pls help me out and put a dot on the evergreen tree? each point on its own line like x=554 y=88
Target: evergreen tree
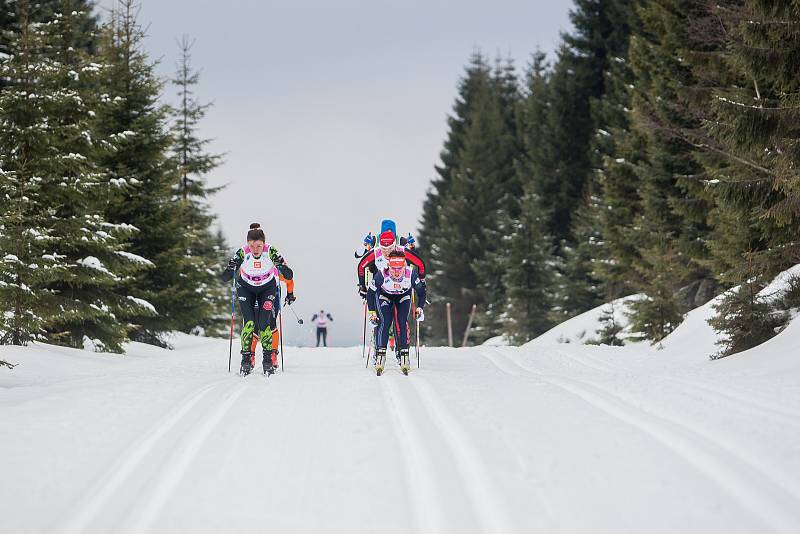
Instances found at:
x=529 y=270
x=204 y=300
x=528 y=276
x=142 y=165
x=430 y=231
x=64 y=262
x=671 y=228
x=610 y=328
x=499 y=140
x=745 y=319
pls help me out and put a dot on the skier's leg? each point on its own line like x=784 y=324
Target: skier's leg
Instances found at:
x=246 y=300
x=324 y=337
x=267 y=327
x=319 y=334
x=385 y=313
x=401 y=334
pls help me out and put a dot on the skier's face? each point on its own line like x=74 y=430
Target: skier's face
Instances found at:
x=257 y=247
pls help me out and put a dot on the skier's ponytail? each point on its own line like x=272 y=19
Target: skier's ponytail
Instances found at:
x=256 y=233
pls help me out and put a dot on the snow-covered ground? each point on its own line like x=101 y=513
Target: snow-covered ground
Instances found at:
x=555 y=438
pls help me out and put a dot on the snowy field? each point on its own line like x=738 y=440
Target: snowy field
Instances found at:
x=551 y=438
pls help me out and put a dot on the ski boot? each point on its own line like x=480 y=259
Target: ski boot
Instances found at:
x=247 y=363
x=270 y=362
x=380 y=361
x=405 y=361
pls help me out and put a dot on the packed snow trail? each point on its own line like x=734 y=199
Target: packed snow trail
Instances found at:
x=561 y=438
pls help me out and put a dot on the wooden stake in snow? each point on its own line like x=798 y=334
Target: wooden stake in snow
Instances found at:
x=449 y=327
x=469 y=325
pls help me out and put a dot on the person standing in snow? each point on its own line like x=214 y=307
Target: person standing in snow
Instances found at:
x=389 y=302
x=322 y=319
x=258 y=268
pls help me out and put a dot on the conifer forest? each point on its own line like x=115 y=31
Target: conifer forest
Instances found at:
x=656 y=155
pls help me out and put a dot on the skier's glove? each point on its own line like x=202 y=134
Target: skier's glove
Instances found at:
x=362 y=291
x=278 y=260
x=232 y=265
x=410 y=241
x=289 y=299
x=373 y=318
x=420 y=315
x=369 y=240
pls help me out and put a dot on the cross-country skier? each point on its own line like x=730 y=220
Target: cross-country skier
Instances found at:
x=258 y=267
x=322 y=319
x=389 y=302
x=376 y=260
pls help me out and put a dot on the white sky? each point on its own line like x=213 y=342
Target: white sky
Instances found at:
x=333 y=115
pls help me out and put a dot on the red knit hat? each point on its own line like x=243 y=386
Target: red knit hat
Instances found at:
x=387 y=238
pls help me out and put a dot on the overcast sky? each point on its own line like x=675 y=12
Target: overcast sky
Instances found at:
x=332 y=115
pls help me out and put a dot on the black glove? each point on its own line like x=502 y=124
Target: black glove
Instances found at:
x=278 y=260
x=232 y=264
x=289 y=299
x=362 y=291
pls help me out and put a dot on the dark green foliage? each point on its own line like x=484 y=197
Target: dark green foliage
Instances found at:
x=528 y=276
x=204 y=299
x=660 y=311
x=745 y=319
x=147 y=175
x=64 y=262
x=463 y=212
x=610 y=328
x=435 y=326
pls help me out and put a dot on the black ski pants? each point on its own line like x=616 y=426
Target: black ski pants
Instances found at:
x=322 y=332
x=259 y=312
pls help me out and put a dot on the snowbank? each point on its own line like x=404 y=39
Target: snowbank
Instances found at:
x=583 y=328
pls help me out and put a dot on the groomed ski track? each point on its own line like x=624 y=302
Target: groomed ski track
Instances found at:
x=481 y=440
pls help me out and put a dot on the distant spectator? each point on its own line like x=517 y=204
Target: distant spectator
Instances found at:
x=322 y=319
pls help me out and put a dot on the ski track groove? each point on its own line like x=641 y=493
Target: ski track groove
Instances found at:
x=492 y=514
x=775 y=412
x=180 y=460
x=109 y=483
x=702 y=452
x=419 y=466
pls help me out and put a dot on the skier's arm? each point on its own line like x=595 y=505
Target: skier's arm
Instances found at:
x=329 y=317
x=414 y=259
x=419 y=288
x=372 y=291
x=313 y=317
x=233 y=265
x=366 y=261
x=280 y=263
x=289 y=284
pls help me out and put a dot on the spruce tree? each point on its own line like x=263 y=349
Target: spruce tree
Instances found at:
x=495 y=121
x=671 y=228
x=65 y=262
x=143 y=166
x=431 y=236
x=529 y=269
x=528 y=274
x=745 y=319
x=204 y=299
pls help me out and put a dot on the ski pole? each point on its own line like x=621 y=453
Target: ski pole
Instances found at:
x=299 y=320
x=364 y=337
x=416 y=342
x=233 y=318
x=280 y=333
